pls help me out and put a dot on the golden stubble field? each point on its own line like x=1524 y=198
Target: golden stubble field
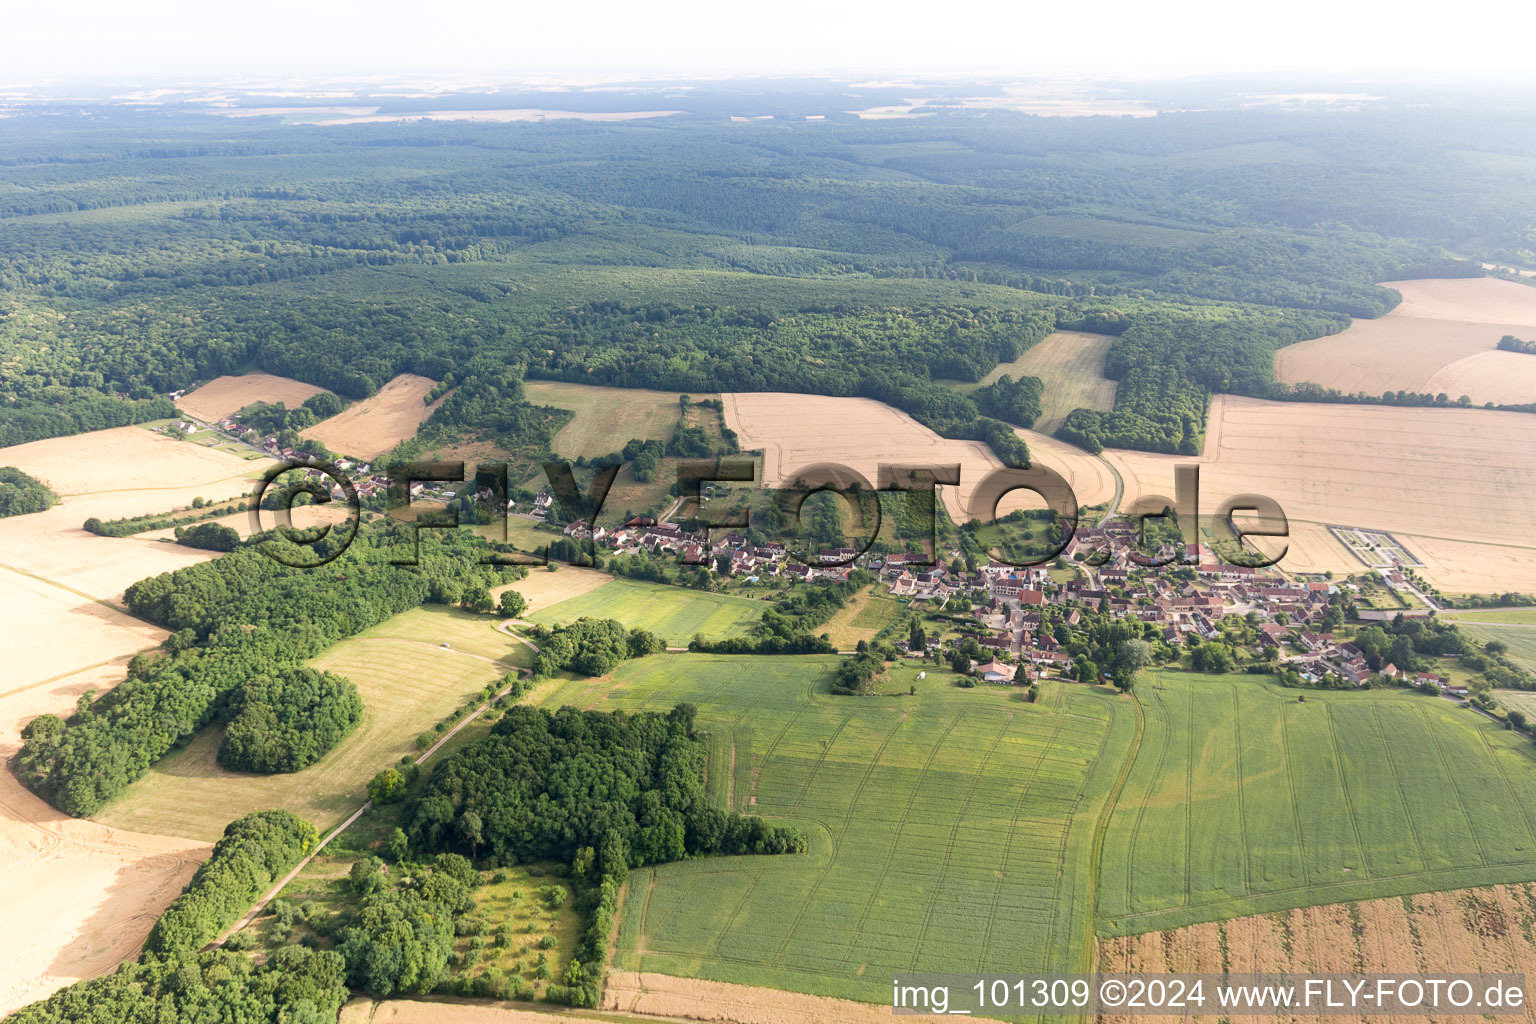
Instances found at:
x=1457 y=486
x=1070 y=365
x=87 y=892
x=369 y=428
x=1441 y=338
x=606 y=418
x=799 y=431
x=1490 y=930
x=224 y=396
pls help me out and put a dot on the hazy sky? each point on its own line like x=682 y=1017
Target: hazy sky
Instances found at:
x=64 y=39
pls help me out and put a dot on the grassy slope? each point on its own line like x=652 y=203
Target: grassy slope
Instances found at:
x=673 y=613
x=1243 y=800
x=949 y=832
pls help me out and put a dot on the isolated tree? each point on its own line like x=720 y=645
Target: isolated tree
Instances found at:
x=1130 y=658
x=512 y=604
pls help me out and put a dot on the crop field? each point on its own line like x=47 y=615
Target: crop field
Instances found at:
x=89 y=892
x=799 y=431
x=1520 y=639
x=1436 y=479
x=224 y=396
x=369 y=428
x=407 y=686
x=543 y=588
x=606 y=418
x=1071 y=366
x=865 y=614
x=948 y=832
x=673 y=613
x=1441 y=338
x=1242 y=799
x=1493 y=928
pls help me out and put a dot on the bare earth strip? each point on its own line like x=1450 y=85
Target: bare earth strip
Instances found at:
x=1071 y=366
x=223 y=396
x=1466 y=476
x=373 y=426
x=1489 y=930
x=661 y=995
x=799 y=431
x=1441 y=338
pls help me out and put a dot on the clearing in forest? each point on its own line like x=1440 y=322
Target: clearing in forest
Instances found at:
x=606 y=418
x=1243 y=799
x=1070 y=365
x=673 y=613
x=225 y=396
x=1441 y=338
x=948 y=832
x=369 y=428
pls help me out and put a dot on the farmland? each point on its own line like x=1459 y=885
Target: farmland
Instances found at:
x=375 y=425
x=1421 y=474
x=225 y=396
x=948 y=832
x=865 y=614
x=1521 y=639
x=798 y=431
x=88 y=891
x=606 y=417
x=1488 y=929
x=1071 y=366
x=407 y=682
x=673 y=613
x=1440 y=339
x=1242 y=799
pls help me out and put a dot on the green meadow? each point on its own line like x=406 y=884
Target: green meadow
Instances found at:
x=1242 y=799
x=949 y=832
x=673 y=613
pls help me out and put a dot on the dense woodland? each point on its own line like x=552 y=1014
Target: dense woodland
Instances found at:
x=145 y=253
x=21 y=494
x=604 y=792
x=286 y=719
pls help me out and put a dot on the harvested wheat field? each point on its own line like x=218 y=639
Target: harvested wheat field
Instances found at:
x=1483 y=299
x=1070 y=364
x=661 y=995
x=1462 y=475
x=1441 y=338
x=606 y=418
x=224 y=396
x=799 y=431
x=373 y=426
x=61 y=577
x=89 y=893
x=1490 y=930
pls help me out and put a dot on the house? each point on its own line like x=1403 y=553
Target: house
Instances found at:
x=995 y=671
